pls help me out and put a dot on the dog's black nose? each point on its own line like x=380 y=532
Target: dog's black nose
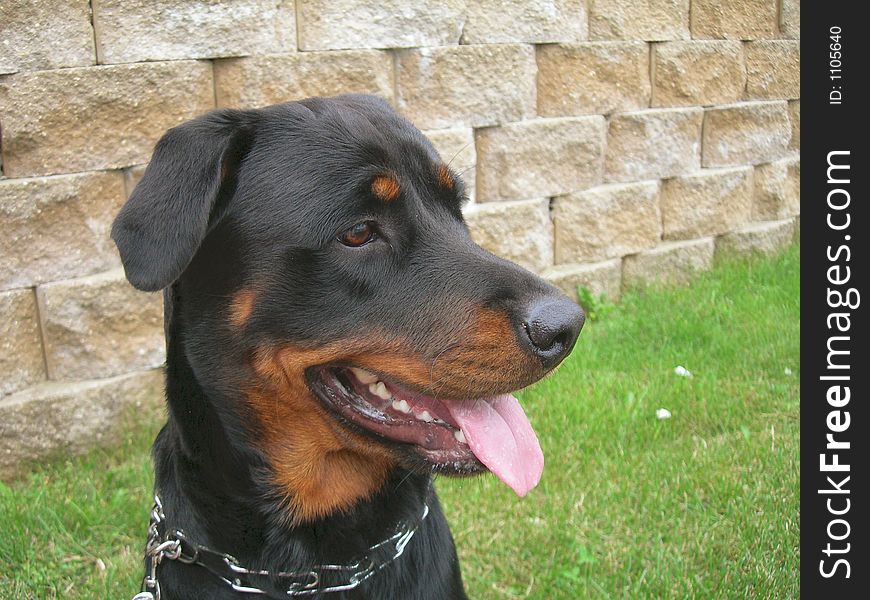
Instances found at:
x=552 y=326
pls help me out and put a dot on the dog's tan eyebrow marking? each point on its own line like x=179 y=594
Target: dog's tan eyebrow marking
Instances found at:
x=386 y=187
x=445 y=179
x=241 y=306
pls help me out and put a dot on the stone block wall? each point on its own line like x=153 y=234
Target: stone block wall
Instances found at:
x=605 y=143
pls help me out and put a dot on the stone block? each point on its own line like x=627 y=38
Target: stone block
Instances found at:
x=45 y=34
x=607 y=221
x=773 y=69
x=790 y=19
x=745 y=133
x=21 y=361
x=56 y=420
x=653 y=144
x=777 y=190
x=264 y=80
x=767 y=238
x=670 y=263
x=341 y=24
x=592 y=78
x=100 y=326
x=475 y=86
x=794 y=117
x=710 y=202
x=496 y=21
x=648 y=20
x=741 y=20
x=698 y=73
x=95 y=118
x=57 y=227
x=539 y=158
x=601 y=278
x=517 y=231
x=143 y=30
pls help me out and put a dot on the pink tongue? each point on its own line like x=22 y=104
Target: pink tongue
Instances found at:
x=502 y=438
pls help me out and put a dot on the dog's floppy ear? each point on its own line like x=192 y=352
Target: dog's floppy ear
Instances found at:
x=167 y=216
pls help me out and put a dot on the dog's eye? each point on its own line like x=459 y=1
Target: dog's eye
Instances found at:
x=358 y=235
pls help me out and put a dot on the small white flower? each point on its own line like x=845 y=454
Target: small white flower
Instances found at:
x=663 y=413
x=788 y=371
x=682 y=371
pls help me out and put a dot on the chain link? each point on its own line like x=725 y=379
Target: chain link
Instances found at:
x=307 y=584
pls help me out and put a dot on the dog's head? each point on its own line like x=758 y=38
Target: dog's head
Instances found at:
x=333 y=303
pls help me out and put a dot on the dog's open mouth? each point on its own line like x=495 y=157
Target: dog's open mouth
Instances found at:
x=455 y=436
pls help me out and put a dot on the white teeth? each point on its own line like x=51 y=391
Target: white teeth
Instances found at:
x=364 y=376
x=401 y=406
x=425 y=416
x=460 y=437
x=380 y=390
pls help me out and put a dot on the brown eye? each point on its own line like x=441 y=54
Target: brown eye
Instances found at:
x=358 y=235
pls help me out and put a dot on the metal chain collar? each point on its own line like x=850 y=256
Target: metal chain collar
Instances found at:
x=174 y=545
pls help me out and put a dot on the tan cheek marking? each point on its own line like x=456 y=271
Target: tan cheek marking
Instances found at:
x=323 y=468
x=241 y=306
x=385 y=187
x=445 y=179
x=320 y=467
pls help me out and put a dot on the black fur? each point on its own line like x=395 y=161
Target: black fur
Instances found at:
x=236 y=198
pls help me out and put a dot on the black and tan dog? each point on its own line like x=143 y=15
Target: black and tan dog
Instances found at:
x=334 y=337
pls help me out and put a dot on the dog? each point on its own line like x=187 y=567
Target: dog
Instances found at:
x=334 y=338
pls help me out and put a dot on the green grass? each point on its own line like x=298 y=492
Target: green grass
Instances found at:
x=76 y=529
x=702 y=505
